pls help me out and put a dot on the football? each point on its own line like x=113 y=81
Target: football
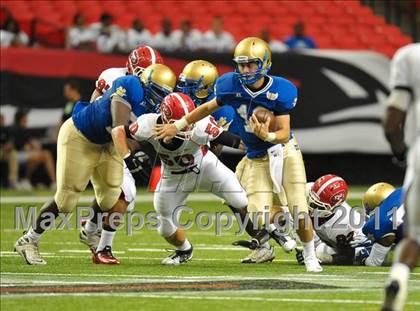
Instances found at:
x=263 y=114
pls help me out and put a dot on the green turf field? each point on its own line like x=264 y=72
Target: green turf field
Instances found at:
x=214 y=279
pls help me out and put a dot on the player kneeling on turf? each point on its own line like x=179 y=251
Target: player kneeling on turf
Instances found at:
x=186 y=166
x=339 y=239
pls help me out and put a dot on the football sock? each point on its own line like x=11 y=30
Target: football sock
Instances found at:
x=377 y=255
x=106 y=239
x=185 y=246
x=90 y=226
x=309 y=249
x=400 y=272
x=44 y=220
x=33 y=235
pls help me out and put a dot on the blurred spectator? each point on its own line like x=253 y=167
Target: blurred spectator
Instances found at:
x=299 y=40
x=216 y=39
x=30 y=151
x=79 y=36
x=186 y=38
x=8 y=154
x=164 y=39
x=10 y=34
x=138 y=35
x=111 y=39
x=276 y=46
x=72 y=93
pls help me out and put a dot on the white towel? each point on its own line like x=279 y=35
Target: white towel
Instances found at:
x=275 y=158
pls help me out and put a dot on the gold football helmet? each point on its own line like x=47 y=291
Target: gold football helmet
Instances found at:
x=249 y=50
x=158 y=81
x=375 y=195
x=197 y=80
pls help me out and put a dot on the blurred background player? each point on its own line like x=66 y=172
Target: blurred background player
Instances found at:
x=138 y=60
x=384 y=227
x=85 y=152
x=404 y=107
x=336 y=223
x=186 y=166
x=246 y=89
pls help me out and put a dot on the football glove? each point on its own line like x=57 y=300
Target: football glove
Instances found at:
x=135 y=164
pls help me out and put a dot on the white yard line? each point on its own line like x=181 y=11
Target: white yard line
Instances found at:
x=203 y=297
x=141 y=198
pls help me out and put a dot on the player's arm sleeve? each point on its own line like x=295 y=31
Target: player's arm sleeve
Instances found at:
x=400 y=72
x=287 y=98
x=228 y=139
x=120 y=112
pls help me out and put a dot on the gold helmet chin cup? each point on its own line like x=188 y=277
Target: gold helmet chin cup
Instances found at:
x=160 y=75
x=201 y=70
x=251 y=49
x=376 y=194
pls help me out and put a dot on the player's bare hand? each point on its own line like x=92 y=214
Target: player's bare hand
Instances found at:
x=165 y=132
x=260 y=129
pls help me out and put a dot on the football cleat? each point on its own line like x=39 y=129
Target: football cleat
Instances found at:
x=311 y=263
x=394 y=297
x=105 y=257
x=178 y=257
x=91 y=240
x=28 y=249
x=260 y=255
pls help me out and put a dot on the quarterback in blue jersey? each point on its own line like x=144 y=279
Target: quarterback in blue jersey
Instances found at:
x=246 y=90
x=384 y=227
x=85 y=152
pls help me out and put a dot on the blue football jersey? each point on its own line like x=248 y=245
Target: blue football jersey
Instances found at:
x=279 y=96
x=94 y=119
x=389 y=220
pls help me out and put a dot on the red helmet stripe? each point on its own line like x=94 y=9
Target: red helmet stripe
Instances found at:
x=152 y=54
x=183 y=103
x=329 y=182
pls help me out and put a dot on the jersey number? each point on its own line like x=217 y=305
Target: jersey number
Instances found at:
x=243 y=113
x=212 y=128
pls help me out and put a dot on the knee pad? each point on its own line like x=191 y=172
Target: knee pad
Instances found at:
x=66 y=200
x=106 y=200
x=237 y=200
x=166 y=227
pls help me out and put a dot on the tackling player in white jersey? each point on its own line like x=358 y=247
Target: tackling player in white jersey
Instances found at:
x=90 y=234
x=337 y=225
x=187 y=165
x=404 y=109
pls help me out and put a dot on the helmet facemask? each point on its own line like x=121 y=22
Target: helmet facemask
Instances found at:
x=154 y=94
x=248 y=78
x=195 y=89
x=321 y=209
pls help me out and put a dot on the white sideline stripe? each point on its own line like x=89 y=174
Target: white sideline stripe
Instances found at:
x=84 y=251
x=141 y=198
x=146 y=258
x=195 y=248
x=246 y=298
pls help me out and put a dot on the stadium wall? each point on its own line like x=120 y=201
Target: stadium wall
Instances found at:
x=337 y=119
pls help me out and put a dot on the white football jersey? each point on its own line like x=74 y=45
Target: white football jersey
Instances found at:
x=405 y=74
x=189 y=154
x=107 y=77
x=344 y=221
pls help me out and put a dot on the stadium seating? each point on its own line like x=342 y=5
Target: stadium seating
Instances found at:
x=333 y=24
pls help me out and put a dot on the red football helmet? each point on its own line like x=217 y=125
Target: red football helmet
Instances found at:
x=173 y=107
x=141 y=58
x=328 y=192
